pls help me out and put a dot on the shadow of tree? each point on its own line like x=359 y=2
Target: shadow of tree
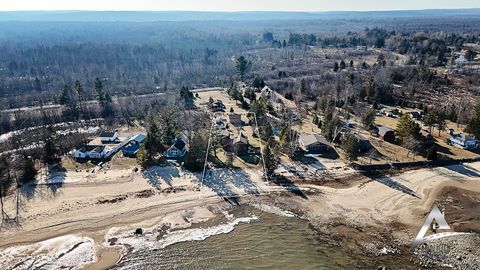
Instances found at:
x=389 y=182
x=284 y=182
x=155 y=174
x=443 y=149
x=239 y=179
x=464 y=170
x=221 y=187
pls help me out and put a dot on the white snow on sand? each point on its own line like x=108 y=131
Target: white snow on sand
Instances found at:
x=69 y=251
x=273 y=210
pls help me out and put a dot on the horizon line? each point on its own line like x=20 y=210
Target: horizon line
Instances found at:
x=234 y=11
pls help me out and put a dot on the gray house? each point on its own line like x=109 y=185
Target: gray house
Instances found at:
x=313 y=143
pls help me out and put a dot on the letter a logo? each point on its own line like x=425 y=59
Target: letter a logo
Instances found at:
x=436 y=215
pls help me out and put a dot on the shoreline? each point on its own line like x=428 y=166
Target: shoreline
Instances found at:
x=390 y=222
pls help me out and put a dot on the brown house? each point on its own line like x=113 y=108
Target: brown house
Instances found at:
x=241 y=145
x=235 y=119
x=386 y=134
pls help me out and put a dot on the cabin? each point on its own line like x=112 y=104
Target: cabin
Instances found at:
x=133 y=146
x=108 y=137
x=461 y=60
x=389 y=112
x=177 y=150
x=415 y=115
x=224 y=136
x=235 y=119
x=218 y=106
x=386 y=134
x=266 y=92
x=90 y=152
x=241 y=145
x=361 y=48
x=463 y=141
x=364 y=144
x=313 y=143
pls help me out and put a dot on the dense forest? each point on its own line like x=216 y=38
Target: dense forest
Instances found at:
x=52 y=63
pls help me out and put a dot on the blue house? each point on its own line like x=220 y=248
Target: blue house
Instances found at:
x=133 y=146
x=177 y=150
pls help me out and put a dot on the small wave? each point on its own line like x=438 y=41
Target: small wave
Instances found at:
x=149 y=239
x=273 y=210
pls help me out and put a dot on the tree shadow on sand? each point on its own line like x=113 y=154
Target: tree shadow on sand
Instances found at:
x=238 y=178
x=464 y=169
x=391 y=183
x=156 y=174
x=284 y=182
x=221 y=187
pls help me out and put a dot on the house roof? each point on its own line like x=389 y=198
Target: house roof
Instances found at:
x=91 y=148
x=383 y=130
x=224 y=133
x=462 y=137
x=87 y=148
x=234 y=116
x=241 y=139
x=131 y=148
x=179 y=144
x=360 y=137
x=266 y=88
x=461 y=59
x=310 y=139
x=138 y=138
x=98 y=149
x=108 y=134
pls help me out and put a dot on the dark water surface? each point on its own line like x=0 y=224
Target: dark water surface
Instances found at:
x=271 y=242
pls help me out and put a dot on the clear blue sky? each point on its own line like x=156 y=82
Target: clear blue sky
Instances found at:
x=236 y=5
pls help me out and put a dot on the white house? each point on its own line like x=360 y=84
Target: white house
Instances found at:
x=460 y=60
x=266 y=92
x=177 y=150
x=90 y=151
x=463 y=141
x=107 y=137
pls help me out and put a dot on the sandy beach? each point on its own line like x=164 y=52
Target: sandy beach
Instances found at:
x=113 y=205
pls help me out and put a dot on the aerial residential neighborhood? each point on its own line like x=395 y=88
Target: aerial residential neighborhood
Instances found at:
x=240 y=140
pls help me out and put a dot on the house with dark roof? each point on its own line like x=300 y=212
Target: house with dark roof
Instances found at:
x=386 y=134
x=415 y=115
x=235 y=119
x=177 y=150
x=217 y=106
x=313 y=143
x=133 y=146
x=108 y=136
x=391 y=112
x=364 y=144
x=241 y=144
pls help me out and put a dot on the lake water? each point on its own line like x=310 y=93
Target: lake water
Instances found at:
x=271 y=242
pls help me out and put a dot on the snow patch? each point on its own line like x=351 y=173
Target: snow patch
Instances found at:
x=149 y=240
x=69 y=251
x=273 y=210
